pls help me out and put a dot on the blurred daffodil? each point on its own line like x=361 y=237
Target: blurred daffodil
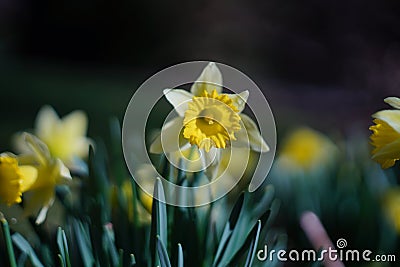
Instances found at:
x=386 y=134
x=141 y=210
x=209 y=120
x=66 y=137
x=15 y=179
x=391 y=202
x=51 y=172
x=146 y=173
x=305 y=150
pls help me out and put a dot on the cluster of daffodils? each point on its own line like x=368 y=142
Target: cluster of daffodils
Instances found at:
x=209 y=121
x=43 y=162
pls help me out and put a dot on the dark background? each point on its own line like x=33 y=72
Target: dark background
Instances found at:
x=327 y=64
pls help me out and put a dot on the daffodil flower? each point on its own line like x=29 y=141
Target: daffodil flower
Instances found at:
x=15 y=179
x=391 y=206
x=306 y=150
x=208 y=119
x=51 y=172
x=386 y=134
x=66 y=137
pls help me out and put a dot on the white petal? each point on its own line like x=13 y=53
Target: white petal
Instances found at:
x=210 y=79
x=391 y=117
x=239 y=100
x=179 y=99
x=250 y=136
x=46 y=119
x=38 y=148
x=393 y=101
x=63 y=171
x=170 y=139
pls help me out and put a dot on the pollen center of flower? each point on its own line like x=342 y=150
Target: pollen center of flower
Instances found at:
x=211 y=120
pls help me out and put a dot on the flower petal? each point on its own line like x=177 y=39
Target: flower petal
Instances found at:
x=210 y=79
x=250 y=136
x=38 y=201
x=64 y=175
x=170 y=139
x=388 y=154
x=391 y=117
x=29 y=176
x=38 y=148
x=179 y=99
x=45 y=121
x=75 y=123
x=239 y=100
x=393 y=101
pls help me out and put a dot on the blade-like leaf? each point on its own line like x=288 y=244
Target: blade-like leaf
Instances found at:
x=84 y=244
x=162 y=254
x=7 y=239
x=24 y=246
x=63 y=247
x=230 y=225
x=158 y=219
x=253 y=245
x=180 y=256
x=255 y=206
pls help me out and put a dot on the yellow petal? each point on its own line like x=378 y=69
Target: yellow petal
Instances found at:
x=391 y=117
x=210 y=79
x=388 y=154
x=393 y=101
x=250 y=136
x=75 y=123
x=28 y=175
x=239 y=100
x=179 y=99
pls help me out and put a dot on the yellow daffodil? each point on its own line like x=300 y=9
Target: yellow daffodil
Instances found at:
x=15 y=179
x=51 y=172
x=391 y=205
x=143 y=210
x=386 y=134
x=146 y=173
x=306 y=149
x=66 y=137
x=208 y=120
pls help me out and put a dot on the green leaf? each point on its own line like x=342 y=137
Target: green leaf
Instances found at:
x=133 y=260
x=84 y=243
x=253 y=244
x=63 y=247
x=158 y=219
x=180 y=256
x=24 y=246
x=110 y=246
x=255 y=206
x=7 y=239
x=230 y=225
x=22 y=259
x=162 y=254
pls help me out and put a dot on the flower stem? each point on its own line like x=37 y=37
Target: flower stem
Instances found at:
x=7 y=238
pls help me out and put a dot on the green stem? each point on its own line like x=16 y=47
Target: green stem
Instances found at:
x=7 y=237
